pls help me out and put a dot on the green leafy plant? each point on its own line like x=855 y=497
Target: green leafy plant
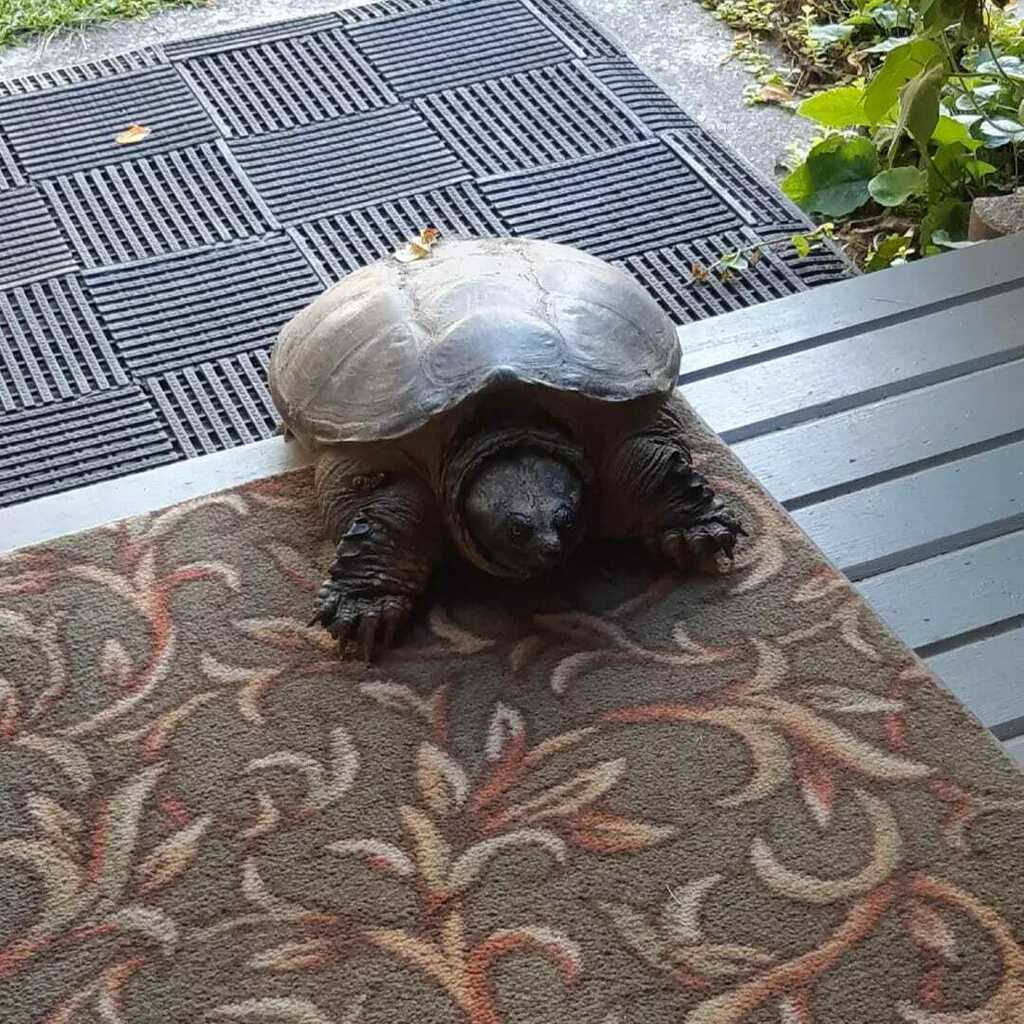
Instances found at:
x=728 y=264
x=939 y=121
x=22 y=19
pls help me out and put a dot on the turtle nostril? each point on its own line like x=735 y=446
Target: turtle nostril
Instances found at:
x=549 y=549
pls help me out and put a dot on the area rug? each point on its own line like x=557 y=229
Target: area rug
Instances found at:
x=164 y=212
x=618 y=798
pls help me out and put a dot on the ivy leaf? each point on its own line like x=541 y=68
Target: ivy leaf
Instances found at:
x=891 y=188
x=998 y=131
x=1013 y=67
x=941 y=14
x=919 y=104
x=981 y=93
x=950 y=216
x=941 y=237
x=886 y=45
x=828 y=35
x=947 y=166
x=802 y=244
x=977 y=169
x=887 y=17
x=733 y=261
x=902 y=64
x=834 y=178
x=842 y=107
x=949 y=130
x=890 y=251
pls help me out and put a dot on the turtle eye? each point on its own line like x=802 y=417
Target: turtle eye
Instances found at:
x=518 y=530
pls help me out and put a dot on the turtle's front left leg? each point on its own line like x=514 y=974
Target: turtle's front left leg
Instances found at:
x=652 y=491
x=390 y=538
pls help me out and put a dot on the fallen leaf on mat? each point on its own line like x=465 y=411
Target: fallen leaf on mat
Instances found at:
x=419 y=247
x=132 y=134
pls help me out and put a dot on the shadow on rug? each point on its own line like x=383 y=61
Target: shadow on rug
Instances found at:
x=621 y=798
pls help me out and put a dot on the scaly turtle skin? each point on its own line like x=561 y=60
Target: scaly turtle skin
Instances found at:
x=505 y=397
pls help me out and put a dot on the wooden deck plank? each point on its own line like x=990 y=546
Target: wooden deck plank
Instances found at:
x=851 y=307
x=816 y=460
x=810 y=384
x=988 y=676
x=921 y=515
x=952 y=595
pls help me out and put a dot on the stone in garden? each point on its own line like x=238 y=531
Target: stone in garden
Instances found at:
x=995 y=216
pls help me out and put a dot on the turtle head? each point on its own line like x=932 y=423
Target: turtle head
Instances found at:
x=524 y=509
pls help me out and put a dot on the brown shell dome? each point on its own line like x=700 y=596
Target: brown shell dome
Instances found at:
x=393 y=344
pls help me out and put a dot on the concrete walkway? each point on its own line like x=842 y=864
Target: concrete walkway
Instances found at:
x=677 y=42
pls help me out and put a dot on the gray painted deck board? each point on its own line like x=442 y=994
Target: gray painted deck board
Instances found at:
x=819 y=381
x=814 y=460
x=989 y=676
x=849 y=307
x=960 y=592
x=919 y=516
x=888 y=414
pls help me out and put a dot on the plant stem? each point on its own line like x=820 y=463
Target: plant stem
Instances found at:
x=813 y=237
x=995 y=58
x=968 y=91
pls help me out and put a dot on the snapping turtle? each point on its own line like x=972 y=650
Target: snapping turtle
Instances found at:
x=503 y=397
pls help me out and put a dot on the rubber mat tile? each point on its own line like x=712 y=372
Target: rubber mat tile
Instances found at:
x=347 y=134
x=584 y=37
x=52 y=346
x=727 y=171
x=641 y=95
x=339 y=244
x=667 y=273
x=534 y=118
x=286 y=82
x=385 y=9
x=216 y=405
x=172 y=311
x=184 y=199
x=823 y=265
x=640 y=197
x=68 y=444
x=10 y=172
x=347 y=163
x=64 y=130
x=31 y=243
x=244 y=38
x=87 y=72
x=443 y=47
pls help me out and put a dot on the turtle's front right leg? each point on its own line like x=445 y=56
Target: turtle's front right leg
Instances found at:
x=390 y=538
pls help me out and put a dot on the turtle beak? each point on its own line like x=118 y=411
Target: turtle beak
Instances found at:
x=549 y=550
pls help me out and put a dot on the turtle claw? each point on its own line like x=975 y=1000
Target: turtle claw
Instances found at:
x=699 y=545
x=368 y=624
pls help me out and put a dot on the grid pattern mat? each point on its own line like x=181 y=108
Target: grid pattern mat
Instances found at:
x=142 y=285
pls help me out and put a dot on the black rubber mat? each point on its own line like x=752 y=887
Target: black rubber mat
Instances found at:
x=141 y=286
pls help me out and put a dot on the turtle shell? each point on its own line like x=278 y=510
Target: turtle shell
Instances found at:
x=396 y=343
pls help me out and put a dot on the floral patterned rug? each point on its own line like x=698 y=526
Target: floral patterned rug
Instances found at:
x=622 y=798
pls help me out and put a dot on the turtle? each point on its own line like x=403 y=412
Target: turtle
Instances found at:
x=499 y=398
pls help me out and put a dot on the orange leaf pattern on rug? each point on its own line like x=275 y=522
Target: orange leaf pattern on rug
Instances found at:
x=612 y=798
